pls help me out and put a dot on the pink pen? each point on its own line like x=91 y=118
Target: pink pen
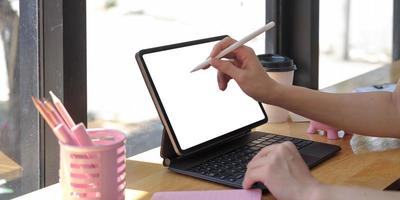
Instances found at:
x=63 y=134
x=80 y=135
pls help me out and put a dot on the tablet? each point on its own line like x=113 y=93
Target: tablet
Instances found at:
x=194 y=112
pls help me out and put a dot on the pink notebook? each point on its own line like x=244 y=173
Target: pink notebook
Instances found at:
x=254 y=194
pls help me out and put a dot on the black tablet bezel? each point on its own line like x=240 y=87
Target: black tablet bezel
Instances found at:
x=164 y=116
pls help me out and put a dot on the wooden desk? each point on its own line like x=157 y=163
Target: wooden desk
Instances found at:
x=9 y=169
x=146 y=175
x=375 y=170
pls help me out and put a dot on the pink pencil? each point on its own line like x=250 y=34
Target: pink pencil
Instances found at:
x=51 y=121
x=60 y=130
x=62 y=111
x=49 y=106
x=78 y=132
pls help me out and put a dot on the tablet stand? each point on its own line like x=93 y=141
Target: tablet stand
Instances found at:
x=167 y=151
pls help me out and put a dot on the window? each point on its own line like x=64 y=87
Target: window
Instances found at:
x=355 y=37
x=117 y=29
x=19 y=123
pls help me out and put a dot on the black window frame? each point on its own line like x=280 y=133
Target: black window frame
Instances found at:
x=62 y=25
x=299 y=38
x=396 y=31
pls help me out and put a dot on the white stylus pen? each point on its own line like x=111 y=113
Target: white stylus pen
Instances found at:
x=236 y=45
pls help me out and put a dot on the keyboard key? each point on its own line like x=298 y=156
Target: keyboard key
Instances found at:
x=278 y=137
x=212 y=174
x=268 y=136
x=296 y=141
x=233 y=171
x=273 y=140
x=255 y=148
x=266 y=143
x=239 y=176
x=231 y=179
x=286 y=139
x=248 y=151
x=223 y=177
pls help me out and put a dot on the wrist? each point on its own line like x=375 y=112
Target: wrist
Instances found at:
x=316 y=192
x=273 y=92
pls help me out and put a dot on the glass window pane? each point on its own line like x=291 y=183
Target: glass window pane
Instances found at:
x=117 y=29
x=355 y=37
x=19 y=152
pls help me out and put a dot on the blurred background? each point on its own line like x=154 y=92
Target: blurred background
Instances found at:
x=355 y=37
x=351 y=42
x=117 y=29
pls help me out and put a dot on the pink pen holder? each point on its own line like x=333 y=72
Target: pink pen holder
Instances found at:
x=94 y=172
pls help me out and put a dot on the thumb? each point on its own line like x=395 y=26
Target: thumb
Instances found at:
x=226 y=67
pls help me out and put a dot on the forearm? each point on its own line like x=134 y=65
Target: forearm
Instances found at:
x=329 y=192
x=363 y=113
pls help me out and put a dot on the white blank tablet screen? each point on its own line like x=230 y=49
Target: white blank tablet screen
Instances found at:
x=198 y=111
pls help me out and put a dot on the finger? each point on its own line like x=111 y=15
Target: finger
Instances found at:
x=229 y=57
x=291 y=147
x=224 y=43
x=206 y=67
x=264 y=151
x=258 y=163
x=253 y=176
x=223 y=80
x=226 y=67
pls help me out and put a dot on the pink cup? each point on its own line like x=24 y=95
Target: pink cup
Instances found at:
x=94 y=172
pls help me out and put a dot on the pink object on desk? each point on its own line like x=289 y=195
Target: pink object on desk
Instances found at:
x=62 y=111
x=331 y=132
x=80 y=135
x=254 y=194
x=63 y=134
x=94 y=172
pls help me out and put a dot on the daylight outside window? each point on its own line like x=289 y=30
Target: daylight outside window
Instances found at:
x=117 y=29
x=355 y=37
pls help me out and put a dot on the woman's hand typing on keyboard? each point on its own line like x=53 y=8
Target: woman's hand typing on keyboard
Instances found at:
x=282 y=170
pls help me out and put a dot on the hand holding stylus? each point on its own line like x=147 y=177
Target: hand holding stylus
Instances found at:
x=236 y=45
x=245 y=68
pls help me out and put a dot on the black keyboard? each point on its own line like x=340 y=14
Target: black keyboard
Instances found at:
x=231 y=166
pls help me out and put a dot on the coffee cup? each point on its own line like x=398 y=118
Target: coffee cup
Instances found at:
x=281 y=69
